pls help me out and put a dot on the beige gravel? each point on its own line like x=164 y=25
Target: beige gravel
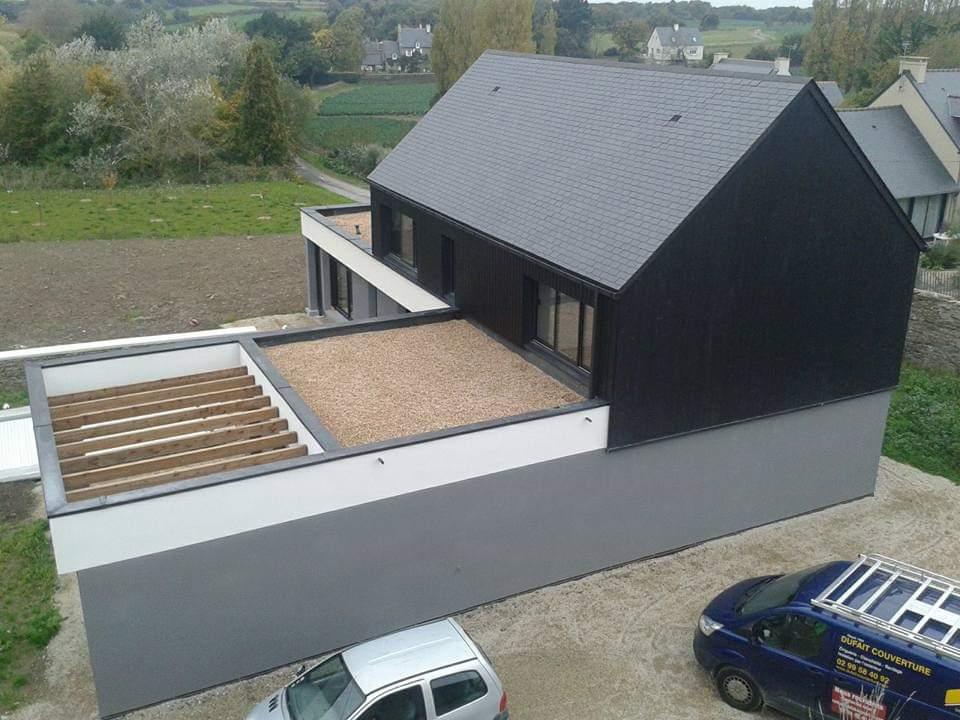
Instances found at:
x=379 y=385
x=614 y=645
x=349 y=223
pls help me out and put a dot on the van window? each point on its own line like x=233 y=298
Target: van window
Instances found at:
x=457 y=690
x=402 y=705
x=775 y=593
x=795 y=634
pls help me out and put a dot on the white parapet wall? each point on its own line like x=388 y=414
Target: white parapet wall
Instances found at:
x=126 y=531
x=391 y=283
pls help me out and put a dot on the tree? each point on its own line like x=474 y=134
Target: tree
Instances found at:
x=56 y=20
x=574 y=27
x=761 y=52
x=628 y=35
x=347 y=33
x=506 y=25
x=28 y=105
x=546 y=34
x=943 y=51
x=710 y=22
x=792 y=47
x=261 y=134
x=106 y=29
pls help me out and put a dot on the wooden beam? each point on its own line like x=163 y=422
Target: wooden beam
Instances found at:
x=82 y=447
x=75 y=421
x=77 y=480
x=139 y=398
x=145 y=451
x=207 y=411
x=185 y=473
x=144 y=386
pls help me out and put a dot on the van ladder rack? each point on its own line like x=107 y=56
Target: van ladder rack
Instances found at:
x=933 y=599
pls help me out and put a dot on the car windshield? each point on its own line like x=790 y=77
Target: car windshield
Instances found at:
x=327 y=692
x=776 y=592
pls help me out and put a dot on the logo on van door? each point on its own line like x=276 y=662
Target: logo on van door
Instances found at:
x=847 y=704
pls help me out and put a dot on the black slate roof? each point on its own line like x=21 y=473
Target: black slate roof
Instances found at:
x=587 y=165
x=898 y=152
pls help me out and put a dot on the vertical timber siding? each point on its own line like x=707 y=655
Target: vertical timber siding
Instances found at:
x=788 y=287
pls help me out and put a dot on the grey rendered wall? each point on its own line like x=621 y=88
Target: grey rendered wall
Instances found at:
x=179 y=621
x=387 y=305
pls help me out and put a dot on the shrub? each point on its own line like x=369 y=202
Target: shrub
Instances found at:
x=941 y=257
x=359 y=160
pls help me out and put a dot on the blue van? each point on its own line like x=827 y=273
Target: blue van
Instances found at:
x=875 y=639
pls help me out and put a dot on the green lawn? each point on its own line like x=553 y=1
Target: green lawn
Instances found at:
x=923 y=428
x=381 y=99
x=264 y=208
x=333 y=132
x=28 y=616
x=13 y=398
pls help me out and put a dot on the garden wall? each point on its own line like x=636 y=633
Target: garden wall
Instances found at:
x=933 y=338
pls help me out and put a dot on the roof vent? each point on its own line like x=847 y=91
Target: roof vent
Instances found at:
x=495 y=89
x=675 y=118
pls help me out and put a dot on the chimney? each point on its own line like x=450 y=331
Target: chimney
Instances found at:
x=782 y=66
x=917 y=67
x=676 y=26
x=428 y=28
x=718 y=56
x=399 y=27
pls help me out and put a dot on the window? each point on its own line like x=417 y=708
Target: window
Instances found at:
x=795 y=634
x=328 y=691
x=926 y=213
x=454 y=691
x=565 y=325
x=341 y=288
x=402 y=238
x=402 y=705
x=449 y=280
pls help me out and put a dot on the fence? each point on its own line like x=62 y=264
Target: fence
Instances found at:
x=944 y=282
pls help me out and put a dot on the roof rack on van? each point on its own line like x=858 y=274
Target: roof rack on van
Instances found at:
x=899 y=599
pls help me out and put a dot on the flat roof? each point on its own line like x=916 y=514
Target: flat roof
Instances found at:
x=357 y=226
x=381 y=662
x=373 y=386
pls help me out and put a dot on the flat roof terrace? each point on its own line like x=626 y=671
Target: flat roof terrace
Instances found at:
x=373 y=386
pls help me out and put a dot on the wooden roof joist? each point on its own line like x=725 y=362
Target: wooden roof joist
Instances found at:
x=144 y=386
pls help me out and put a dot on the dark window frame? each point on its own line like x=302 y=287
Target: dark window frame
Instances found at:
x=552 y=346
x=347 y=312
x=395 y=244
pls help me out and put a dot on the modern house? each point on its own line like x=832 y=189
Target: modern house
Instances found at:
x=675 y=44
x=556 y=361
x=931 y=99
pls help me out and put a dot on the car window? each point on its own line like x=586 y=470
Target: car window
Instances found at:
x=795 y=634
x=327 y=692
x=457 y=690
x=402 y=705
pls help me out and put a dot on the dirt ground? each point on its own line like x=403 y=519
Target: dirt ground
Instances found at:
x=615 y=644
x=62 y=292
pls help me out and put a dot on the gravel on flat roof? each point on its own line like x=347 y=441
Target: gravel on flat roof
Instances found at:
x=385 y=384
x=351 y=221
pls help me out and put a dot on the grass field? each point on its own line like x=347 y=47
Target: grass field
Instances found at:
x=341 y=131
x=736 y=36
x=265 y=208
x=28 y=616
x=923 y=428
x=381 y=99
x=13 y=398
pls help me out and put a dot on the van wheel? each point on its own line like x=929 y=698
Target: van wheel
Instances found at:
x=739 y=690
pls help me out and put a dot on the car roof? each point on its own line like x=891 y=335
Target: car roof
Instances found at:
x=391 y=658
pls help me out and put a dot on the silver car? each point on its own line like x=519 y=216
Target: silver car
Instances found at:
x=427 y=672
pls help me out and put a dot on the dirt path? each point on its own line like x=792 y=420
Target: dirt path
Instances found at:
x=615 y=644
x=309 y=173
x=60 y=292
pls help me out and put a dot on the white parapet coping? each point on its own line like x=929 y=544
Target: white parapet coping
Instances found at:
x=52 y=350
x=122 y=532
x=391 y=283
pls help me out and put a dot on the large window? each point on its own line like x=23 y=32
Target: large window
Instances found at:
x=926 y=213
x=341 y=288
x=565 y=325
x=402 y=238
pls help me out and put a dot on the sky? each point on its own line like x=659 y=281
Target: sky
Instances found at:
x=753 y=3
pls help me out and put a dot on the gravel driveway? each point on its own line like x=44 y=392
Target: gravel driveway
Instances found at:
x=612 y=645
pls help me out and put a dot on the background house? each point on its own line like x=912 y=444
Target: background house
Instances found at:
x=379 y=55
x=931 y=99
x=723 y=62
x=675 y=44
x=412 y=44
x=415 y=40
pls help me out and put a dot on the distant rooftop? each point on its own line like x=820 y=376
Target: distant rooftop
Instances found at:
x=937 y=89
x=679 y=37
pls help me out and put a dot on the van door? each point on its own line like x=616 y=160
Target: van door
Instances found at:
x=789 y=664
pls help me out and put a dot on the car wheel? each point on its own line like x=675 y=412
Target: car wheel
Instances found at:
x=739 y=690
